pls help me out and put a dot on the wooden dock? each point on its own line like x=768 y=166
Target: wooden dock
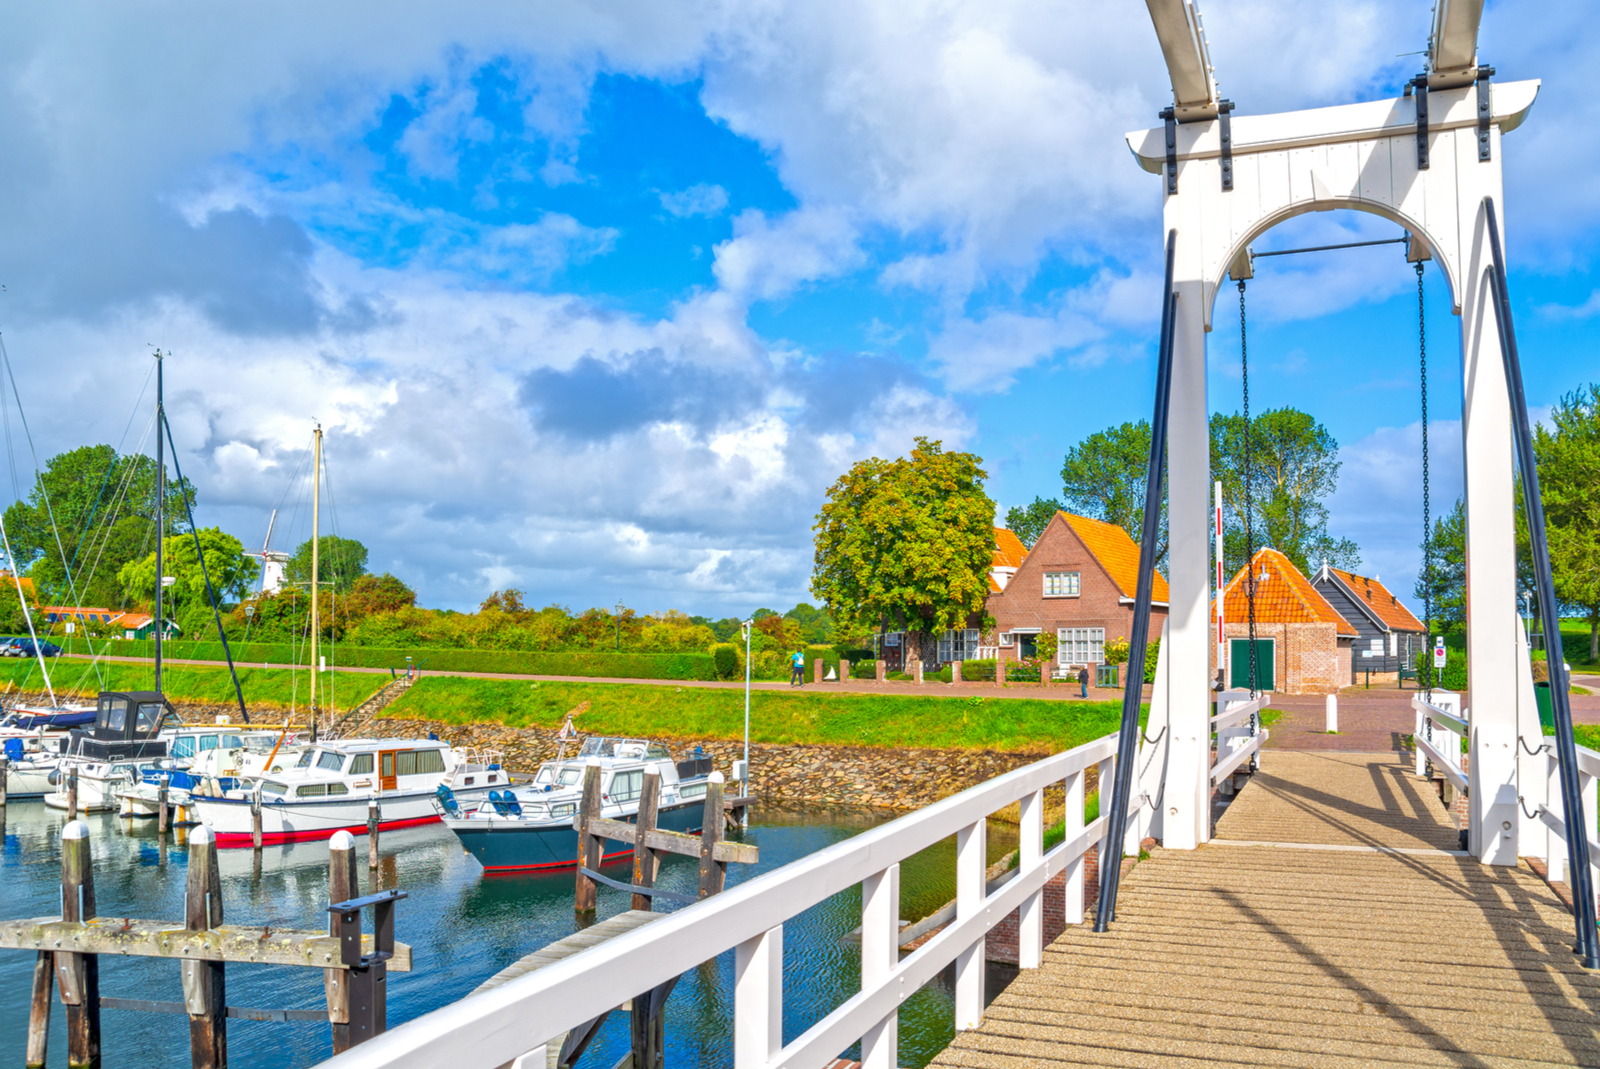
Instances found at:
x=1327 y=925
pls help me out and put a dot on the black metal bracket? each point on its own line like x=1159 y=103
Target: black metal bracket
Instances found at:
x=1225 y=126
x=1420 y=84
x=1170 y=117
x=369 y=975
x=1485 y=112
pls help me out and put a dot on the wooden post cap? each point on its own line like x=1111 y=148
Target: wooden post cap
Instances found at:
x=202 y=836
x=75 y=829
x=342 y=840
x=715 y=777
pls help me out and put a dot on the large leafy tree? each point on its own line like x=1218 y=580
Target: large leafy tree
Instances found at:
x=905 y=544
x=1447 y=585
x=1569 y=484
x=1103 y=477
x=231 y=570
x=90 y=512
x=1293 y=466
x=341 y=561
x=1028 y=522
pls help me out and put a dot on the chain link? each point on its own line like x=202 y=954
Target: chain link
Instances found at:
x=1248 y=476
x=1427 y=518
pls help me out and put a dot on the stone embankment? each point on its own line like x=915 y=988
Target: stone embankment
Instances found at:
x=852 y=775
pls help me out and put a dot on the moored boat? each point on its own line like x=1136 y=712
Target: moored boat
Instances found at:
x=113 y=752
x=530 y=827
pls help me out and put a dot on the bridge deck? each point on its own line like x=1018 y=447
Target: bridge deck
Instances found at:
x=1365 y=945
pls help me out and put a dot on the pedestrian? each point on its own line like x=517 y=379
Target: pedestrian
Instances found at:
x=797 y=673
x=1083 y=682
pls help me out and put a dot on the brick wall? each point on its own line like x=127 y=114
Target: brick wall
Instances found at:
x=1308 y=658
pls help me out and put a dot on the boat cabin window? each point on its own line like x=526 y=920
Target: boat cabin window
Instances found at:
x=564 y=809
x=361 y=764
x=625 y=786
x=569 y=775
x=338 y=788
x=232 y=742
x=305 y=759
x=273 y=787
x=207 y=742
x=418 y=762
x=545 y=775
x=311 y=790
x=183 y=746
x=658 y=750
x=149 y=718
x=114 y=714
x=330 y=760
x=697 y=790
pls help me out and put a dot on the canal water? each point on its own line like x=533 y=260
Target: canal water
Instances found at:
x=463 y=927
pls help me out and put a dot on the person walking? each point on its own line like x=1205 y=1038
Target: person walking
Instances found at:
x=797 y=672
x=1083 y=682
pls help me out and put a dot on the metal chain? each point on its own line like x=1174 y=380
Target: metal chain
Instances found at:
x=1427 y=518
x=1249 y=496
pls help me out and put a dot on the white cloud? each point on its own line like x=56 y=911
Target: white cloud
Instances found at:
x=768 y=258
x=1582 y=310
x=698 y=199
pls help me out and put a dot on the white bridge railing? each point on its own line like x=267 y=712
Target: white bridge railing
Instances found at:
x=1551 y=816
x=1441 y=725
x=1240 y=735
x=511 y=1025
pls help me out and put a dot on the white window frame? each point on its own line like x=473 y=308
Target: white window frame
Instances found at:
x=1077 y=584
x=959 y=645
x=1090 y=641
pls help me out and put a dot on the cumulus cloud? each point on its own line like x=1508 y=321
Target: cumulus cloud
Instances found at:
x=699 y=199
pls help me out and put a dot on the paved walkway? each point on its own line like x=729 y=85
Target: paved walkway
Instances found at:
x=1354 y=941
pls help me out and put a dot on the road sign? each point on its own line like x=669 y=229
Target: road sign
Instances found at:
x=1438 y=654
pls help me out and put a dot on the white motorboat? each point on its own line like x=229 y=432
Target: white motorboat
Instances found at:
x=113 y=753
x=328 y=790
x=210 y=760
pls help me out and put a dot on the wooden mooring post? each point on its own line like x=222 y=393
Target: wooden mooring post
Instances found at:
x=68 y=948
x=163 y=812
x=255 y=820
x=374 y=818
x=5 y=766
x=72 y=793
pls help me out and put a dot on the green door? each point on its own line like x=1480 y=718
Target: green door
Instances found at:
x=1239 y=663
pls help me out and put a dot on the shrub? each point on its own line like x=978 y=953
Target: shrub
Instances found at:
x=725 y=660
x=1117 y=651
x=1453 y=676
x=1151 y=652
x=977 y=671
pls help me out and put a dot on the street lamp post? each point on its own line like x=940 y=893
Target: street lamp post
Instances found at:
x=619 y=625
x=746 y=627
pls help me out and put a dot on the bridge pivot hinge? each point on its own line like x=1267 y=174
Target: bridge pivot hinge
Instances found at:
x=1225 y=128
x=1170 y=117
x=1485 y=112
x=1420 y=85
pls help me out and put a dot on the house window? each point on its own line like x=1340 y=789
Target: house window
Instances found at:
x=1060 y=584
x=1081 y=645
x=958 y=645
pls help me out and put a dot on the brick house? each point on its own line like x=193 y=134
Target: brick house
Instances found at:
x=1303 y=644
x=1078 y=583
x=1388 y=635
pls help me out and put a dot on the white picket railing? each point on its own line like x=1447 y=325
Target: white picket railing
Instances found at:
x=1551 y=815
x=1239 y=734
x=1441 y=725
x=510 y=1025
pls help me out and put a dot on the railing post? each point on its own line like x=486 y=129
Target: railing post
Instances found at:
x=880 y=953
x=204 y=995
x=1555 y=850
x=342 y=887
x=971 y=853
x=1030 y=915
x=78 y=975
x=39 y=1010
x=1072 y=814
x=1418 y=732
x=1587 y=795
x=1105 y=856
x=758 y=999
x=644 y=858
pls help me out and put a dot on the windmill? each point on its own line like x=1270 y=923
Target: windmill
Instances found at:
x=272 y=560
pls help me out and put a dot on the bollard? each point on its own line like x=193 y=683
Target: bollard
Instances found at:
x=204 y=995
x=255 y=820
x=916 y=671
x=881 y=671
x=161 y=804
x=1332 y=706
x=955 y=671
x=373 y=816
x=78 y=975
x=817 y=664
x=1000 y=668
x=72 y=793
x=341 y=888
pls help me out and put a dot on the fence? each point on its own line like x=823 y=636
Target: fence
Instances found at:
x=1551 y=816
x=512 y=1023
x=1441 y=725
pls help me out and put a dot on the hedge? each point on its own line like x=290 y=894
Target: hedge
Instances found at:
x=693 y=665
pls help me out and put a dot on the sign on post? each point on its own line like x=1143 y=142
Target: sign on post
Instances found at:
x=1438 y=653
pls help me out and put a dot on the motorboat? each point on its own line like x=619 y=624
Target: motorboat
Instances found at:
x=532 y=826
x=330 y=786
x=207 y=760
x=113 y=753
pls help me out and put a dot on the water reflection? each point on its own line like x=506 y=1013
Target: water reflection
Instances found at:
x=463 y=927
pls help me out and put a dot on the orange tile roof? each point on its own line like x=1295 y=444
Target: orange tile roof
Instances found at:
x=1284 y=597
x=1384 y=605
x=1008 y=553
x=1117 y=553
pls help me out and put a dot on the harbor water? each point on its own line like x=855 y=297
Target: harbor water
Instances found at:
x=463 y=927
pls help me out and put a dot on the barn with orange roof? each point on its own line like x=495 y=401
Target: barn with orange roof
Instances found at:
x=1391 y=636
x=1304 y=645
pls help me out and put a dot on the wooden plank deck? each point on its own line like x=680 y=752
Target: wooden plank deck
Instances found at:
x=1348 y=937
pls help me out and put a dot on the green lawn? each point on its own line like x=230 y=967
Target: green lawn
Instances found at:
x=808 y=716
x=276 y=688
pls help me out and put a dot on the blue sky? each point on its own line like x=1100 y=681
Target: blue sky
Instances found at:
x=596 y=299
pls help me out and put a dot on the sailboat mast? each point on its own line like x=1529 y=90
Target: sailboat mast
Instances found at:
x=161 y=493
x=316 y=545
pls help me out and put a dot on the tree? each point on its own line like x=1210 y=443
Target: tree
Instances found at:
x=1447 y=587
x=341 y=561
x=506 y=601
x=1028 y=522
x=1569 y=487
x=905 y=544
x=1294 y=468
x=1104 y=476
x=380 y=593
x=90 y=512
x=231 y=571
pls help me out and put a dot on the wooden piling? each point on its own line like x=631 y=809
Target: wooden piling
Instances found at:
x=712 y=872
x=4 y=767
x=645 y=863
x=39 y=1010
x=590 y=847
x=255 y=823
x=204 y=994
x=78 y=975
x=162 y=813
x=374 y=816
x=72 y=793
x=342 y=887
